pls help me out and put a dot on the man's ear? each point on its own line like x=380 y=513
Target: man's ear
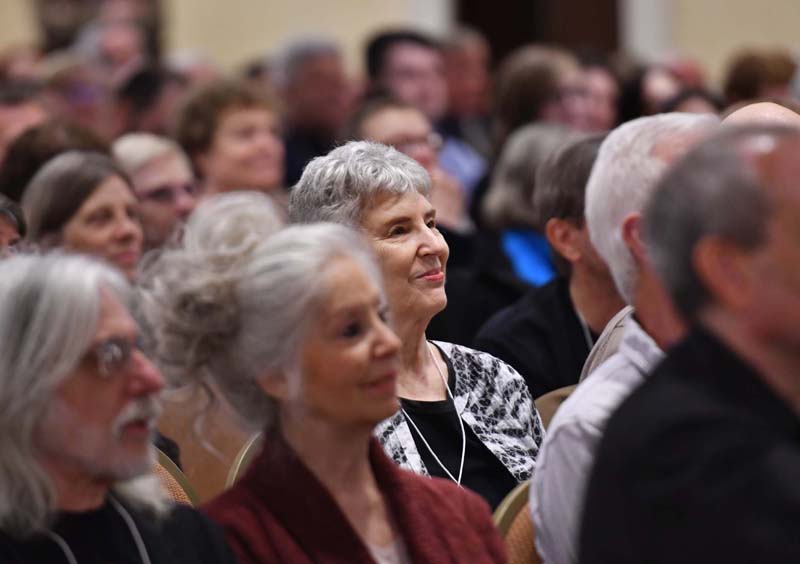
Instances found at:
x=560 y=234
x=632 y=235
x=724 y=271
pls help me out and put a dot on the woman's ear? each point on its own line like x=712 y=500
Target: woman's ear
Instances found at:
x=560 y=234
x=275 y=385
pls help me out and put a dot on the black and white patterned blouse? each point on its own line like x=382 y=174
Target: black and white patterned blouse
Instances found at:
x=493 y=400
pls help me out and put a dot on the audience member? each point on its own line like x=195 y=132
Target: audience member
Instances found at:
x=693 y=101
x=763 y=113
x=508 y=206
x=699 y=464
x=78 y=403
x=162 y=180
x=20 y=109
x=231 y=134
x=467 y=64
x=83 y=202
x=631 y=160
x=754 y=74
x=646 y=91
x=409 y=66
x=293 y=332
x=36 y=146
x=148 y=100
x=310 y=75
x=548 y=334
x=464 y=415
x=601 y=97
x=536 y=83
x=12 y=226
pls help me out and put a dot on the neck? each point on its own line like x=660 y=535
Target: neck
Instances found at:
x=774 y=362
x=594 y=297
x=655 y=311
x=75 y=491
x=419 y=377
x=338 y=457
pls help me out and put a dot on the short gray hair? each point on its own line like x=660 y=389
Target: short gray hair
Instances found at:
x=132 y=151
x=713 y=190
x=49 y=311
x=624 y=177
x=222 y=320
x=294 y=55
x=340 y=186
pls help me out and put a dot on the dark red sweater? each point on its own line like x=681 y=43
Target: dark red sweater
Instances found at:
x=279 y=512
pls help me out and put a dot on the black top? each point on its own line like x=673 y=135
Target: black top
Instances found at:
x=699 y=465
x=541 y=336
x=102 y=537
x=301 y=145
x=438 y=422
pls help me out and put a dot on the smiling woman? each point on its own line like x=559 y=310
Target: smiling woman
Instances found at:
x=464 y=415
x=82 y=202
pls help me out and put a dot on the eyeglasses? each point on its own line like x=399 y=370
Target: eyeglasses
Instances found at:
x=114 y=355
x=432 y=141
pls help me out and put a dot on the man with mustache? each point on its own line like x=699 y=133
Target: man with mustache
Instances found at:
x=78 y=404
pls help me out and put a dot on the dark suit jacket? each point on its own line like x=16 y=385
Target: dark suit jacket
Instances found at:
x=279 y=512
x=701 y=464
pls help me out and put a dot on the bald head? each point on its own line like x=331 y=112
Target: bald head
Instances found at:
x=763 y=113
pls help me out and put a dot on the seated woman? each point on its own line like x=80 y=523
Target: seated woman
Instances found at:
x=292 y=331
x=465 y=415
x=83 y=202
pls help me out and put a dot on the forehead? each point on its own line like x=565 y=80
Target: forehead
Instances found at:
x=388 y=207
x=166 y=168
x=407 y=54
x=114 y=320
x=111 y=191
x=239 y=116
x=392 y=123
x=348 y=286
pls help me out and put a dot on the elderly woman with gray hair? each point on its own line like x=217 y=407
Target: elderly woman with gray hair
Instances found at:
x=464 y=415
x=292 y=331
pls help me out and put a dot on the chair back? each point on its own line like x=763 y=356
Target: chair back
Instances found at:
x=513 y=519
x=174 y=481
x=245 y=457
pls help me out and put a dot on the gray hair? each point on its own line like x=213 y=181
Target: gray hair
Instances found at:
x=713 y=191
x=132 y=151
x=509 y=201
x=225 y=314
x=340 y=186
x=49 y=310
x=623 y=179
x=297 y=53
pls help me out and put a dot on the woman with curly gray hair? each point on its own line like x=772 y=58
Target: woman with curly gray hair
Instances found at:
x=464 y=415
x=292 y=331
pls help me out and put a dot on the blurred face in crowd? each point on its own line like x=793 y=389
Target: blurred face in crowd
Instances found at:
x=349 y=360
x=568 y=106
x=246 y=152
x=14 y=120
x=9 y=235
x=414 y=74
x=411 y=251
x=167 y=195
x=107 y=226
x=101 y=419
x=407 y=130
x=318 y=96
x=602 y=94
x=468 y=80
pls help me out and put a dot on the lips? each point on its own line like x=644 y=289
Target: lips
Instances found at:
x=126 y=258
x=433 y=275
x=386 y=384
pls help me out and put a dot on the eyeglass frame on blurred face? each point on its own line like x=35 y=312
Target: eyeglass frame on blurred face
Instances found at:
x=169 y=193
x=432 y=141
x=114 y=355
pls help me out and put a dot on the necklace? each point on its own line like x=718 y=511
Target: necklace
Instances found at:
x=460 y=422
x=137 y=537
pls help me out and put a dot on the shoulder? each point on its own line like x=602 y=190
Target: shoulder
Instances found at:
x=186 y=531
x=470 y=363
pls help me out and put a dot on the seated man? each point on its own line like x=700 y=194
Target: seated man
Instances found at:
x=78 y=404
x=548 y=333
x=700 y=464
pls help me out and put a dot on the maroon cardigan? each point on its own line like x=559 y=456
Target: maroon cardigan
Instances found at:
x=279 y=512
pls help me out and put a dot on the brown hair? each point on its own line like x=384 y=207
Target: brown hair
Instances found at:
x=201 y=112
x=751 y=71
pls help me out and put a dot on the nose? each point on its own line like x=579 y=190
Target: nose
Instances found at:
x=145 y=378
x=184 y=203
x=127 y=228
x=434 y=244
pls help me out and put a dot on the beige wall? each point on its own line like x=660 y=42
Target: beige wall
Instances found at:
x=235 y=30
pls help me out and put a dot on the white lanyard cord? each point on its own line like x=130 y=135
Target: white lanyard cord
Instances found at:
x=460 y=422
x=137 y=537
